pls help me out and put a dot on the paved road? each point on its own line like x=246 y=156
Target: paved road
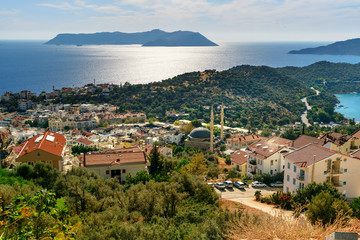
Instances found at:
x=304 y=115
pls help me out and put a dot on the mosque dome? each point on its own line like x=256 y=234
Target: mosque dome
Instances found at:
x=200 y=134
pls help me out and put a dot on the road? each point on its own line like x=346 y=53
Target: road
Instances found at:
x=308 y=107
x=246 y=197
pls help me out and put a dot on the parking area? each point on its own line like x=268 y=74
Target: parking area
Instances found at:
x=248 y=192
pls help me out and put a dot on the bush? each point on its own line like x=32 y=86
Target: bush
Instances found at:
x=325 y=208
x=304 y=196
x=227 y=161
x=355 y=207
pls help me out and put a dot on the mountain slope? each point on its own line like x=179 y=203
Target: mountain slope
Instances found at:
x=348 y=47
x=151 y=38
x=332 y=77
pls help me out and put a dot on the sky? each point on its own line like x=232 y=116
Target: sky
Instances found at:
x=218 y=20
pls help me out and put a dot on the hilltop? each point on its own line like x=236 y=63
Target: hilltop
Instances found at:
x=155 y=37
x=348 y=47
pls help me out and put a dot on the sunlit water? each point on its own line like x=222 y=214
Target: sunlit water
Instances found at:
x=37 y=67
x=350 y=105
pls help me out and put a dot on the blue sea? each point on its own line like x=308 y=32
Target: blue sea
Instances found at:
x=350 y=106
x=31 y=65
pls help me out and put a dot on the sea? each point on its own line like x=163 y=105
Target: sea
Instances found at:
x=31 y=65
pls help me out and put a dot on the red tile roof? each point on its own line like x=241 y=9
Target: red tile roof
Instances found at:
x=305 y=156
x=357 y=134
x=239 y=157
x=240 y=138
x=120 y=157
x=85 y=141
x=265 y=148
x=48 y=141
x=305 y=140
x=356 y=154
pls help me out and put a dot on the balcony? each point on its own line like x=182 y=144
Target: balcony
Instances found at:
x=300 y=177
x=252 y=162
x=337 y=171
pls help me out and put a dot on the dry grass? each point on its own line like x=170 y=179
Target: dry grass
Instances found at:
x=250 y=224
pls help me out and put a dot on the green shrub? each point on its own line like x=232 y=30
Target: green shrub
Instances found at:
x=355 y=207
x=325 y=208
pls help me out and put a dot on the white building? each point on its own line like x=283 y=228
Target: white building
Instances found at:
x=267 y=156
x=314 y=163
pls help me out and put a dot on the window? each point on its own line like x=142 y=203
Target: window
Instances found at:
x=288 y=178
x=295 y=169
x=107 y=172
x=325 y=172
x=124 y=171
x=272 y=162
x=294 y=181
x=344 y=183
x=288 y=165
x=287 y=189
x=345 y=170
x=271 y=172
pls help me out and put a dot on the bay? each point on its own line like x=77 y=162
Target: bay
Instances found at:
x=349 y=105
x=30 y=65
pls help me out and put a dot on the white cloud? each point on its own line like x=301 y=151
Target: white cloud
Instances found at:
x=62 y=6
x=9 y=12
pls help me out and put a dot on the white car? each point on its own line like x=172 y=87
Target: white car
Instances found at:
x=277 y=184
x=258 y=184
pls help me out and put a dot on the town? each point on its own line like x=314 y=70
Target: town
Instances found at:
x=236 y=162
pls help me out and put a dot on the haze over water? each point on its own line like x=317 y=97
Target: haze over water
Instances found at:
x=33 y=66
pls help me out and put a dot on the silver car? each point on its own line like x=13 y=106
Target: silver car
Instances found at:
x=258 y=184
x=220 y=185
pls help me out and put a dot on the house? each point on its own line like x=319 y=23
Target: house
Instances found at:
x=84 y=142
x=267 y=156
x=117 y=164
x=340 y=142
x=313 y=163
x=239 y=161
x=48 y=147
x=239 y=141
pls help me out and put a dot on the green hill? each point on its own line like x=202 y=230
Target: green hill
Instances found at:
x=253 y=95
x=331 y=77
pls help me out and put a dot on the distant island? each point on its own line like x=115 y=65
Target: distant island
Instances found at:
x=348 y=47
x=155 y=37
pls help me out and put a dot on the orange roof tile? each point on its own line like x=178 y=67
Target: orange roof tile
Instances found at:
x=239 y=157
x=127 y=156
x=48 y=141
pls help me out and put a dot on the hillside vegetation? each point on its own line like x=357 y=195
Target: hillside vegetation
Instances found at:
x=253 y=96
x=331 y=77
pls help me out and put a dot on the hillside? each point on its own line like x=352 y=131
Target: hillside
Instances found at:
x=348 y=47
x=254 y=96
x=151 y=38
x=331 y=77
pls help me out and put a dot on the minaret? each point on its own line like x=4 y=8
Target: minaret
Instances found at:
x=222 y=122
x=212 y=130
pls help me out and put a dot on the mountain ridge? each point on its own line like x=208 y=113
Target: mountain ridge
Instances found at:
x=347 y=47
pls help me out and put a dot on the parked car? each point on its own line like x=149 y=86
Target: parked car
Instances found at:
x=228 y=184
x=210 y=184
x=220 y=185
x=277 y=184
x=239 y=185
x=258 y=184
